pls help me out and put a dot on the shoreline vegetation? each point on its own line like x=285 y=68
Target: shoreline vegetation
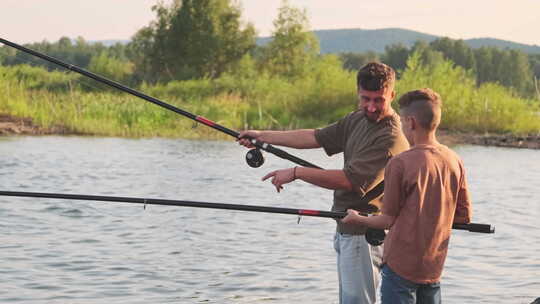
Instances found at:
x=490 y=96
x=17 y=126
x=34 y=100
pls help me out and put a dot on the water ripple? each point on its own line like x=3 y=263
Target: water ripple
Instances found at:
x=58 y=251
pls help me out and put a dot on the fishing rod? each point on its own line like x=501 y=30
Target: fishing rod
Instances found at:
x=373 y=236
x=254 y=157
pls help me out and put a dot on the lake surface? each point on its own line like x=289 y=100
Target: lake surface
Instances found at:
x=61 y=251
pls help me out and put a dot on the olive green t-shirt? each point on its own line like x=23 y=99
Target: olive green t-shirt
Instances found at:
x=367 y=147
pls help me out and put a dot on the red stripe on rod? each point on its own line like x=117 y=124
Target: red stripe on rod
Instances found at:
x=308 y=212
x=205 y=121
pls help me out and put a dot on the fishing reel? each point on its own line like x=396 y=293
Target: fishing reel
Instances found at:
x=375 y=237
x=255 y=158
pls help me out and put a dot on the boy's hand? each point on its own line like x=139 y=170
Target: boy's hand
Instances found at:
x=353 y=217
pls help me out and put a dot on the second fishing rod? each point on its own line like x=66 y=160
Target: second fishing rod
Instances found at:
x=254 y=157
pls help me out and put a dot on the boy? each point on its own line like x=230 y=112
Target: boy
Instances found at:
x=425 y=192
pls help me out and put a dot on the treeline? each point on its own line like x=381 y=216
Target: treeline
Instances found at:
x=196 y=39
x=200 y=57
x=190 y=39
x=510 y=68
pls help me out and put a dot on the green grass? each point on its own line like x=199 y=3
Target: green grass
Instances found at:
x=250 y=100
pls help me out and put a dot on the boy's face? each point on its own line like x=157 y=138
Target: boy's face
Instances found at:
x=376 y=104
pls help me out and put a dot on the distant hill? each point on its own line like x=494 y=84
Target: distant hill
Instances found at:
x=110 y=42
x=479 y=42
x=359 y=40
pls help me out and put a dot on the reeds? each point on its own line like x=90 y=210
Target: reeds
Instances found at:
x=242 y=101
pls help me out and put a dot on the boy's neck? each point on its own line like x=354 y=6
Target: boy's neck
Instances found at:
x=422 y=137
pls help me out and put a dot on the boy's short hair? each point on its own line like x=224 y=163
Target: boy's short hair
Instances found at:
x=375 y=76
x=424 y=104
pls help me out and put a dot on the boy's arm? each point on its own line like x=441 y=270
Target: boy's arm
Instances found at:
x=378 y=221
x=392 y=200
x=463 y=212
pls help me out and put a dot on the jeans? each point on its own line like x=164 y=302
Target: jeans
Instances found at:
x=397 y=290
x=358 y=266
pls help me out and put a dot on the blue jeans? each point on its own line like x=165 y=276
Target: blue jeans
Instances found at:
x=358 y=266
x=397 y=290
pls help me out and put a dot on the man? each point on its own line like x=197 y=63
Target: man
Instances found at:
x=425 y=192
x=368 y=138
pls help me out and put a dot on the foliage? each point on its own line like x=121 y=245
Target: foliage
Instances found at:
x=489 y=108
x=77 y=52
x=456 y=51
x=192 y=39
x=36 y=78
x=354 y=61
x=396 y=56
x=111 y=68
x=293 y=48
x=198 y=56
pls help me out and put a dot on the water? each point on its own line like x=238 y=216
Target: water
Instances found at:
x=59 y=251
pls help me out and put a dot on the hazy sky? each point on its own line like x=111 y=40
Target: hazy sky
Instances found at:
x=516 y=20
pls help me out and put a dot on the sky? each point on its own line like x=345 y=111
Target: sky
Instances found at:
x=25 y=21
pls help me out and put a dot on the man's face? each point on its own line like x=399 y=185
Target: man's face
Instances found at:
x=376 y=104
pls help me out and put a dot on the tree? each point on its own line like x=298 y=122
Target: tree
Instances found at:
x=192 y=39
x=396 y=55
x=534 y=61
x=428 y=55
x=484 y=64
x=354 y=61
x=148 y=46
x=293 y=47
x=457 y=51
x=77 y=52
x=511 y=68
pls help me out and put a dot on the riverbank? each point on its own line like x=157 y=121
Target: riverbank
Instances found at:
x=497 y=140
x=10 y=125
x=13 y=126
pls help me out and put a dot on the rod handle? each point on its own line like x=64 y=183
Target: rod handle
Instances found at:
x=474 y=227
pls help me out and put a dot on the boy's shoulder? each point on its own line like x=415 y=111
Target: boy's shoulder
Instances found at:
x=422 y=152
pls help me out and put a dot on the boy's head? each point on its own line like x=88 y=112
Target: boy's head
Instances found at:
x=375 y=82
x=420 y=111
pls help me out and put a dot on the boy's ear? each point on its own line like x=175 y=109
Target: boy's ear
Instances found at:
x=412 y=122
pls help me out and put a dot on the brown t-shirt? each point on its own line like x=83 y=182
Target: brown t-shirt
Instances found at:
x=367 y=146
x=426 y=190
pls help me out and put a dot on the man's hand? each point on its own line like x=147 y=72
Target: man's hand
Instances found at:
x=353 y=217
x=280 y=177
x=244 y=138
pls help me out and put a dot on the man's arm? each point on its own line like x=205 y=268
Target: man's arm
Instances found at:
x=299 y=139
x=329 y=179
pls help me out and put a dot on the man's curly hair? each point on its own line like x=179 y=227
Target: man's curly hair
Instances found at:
x=375 y=76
